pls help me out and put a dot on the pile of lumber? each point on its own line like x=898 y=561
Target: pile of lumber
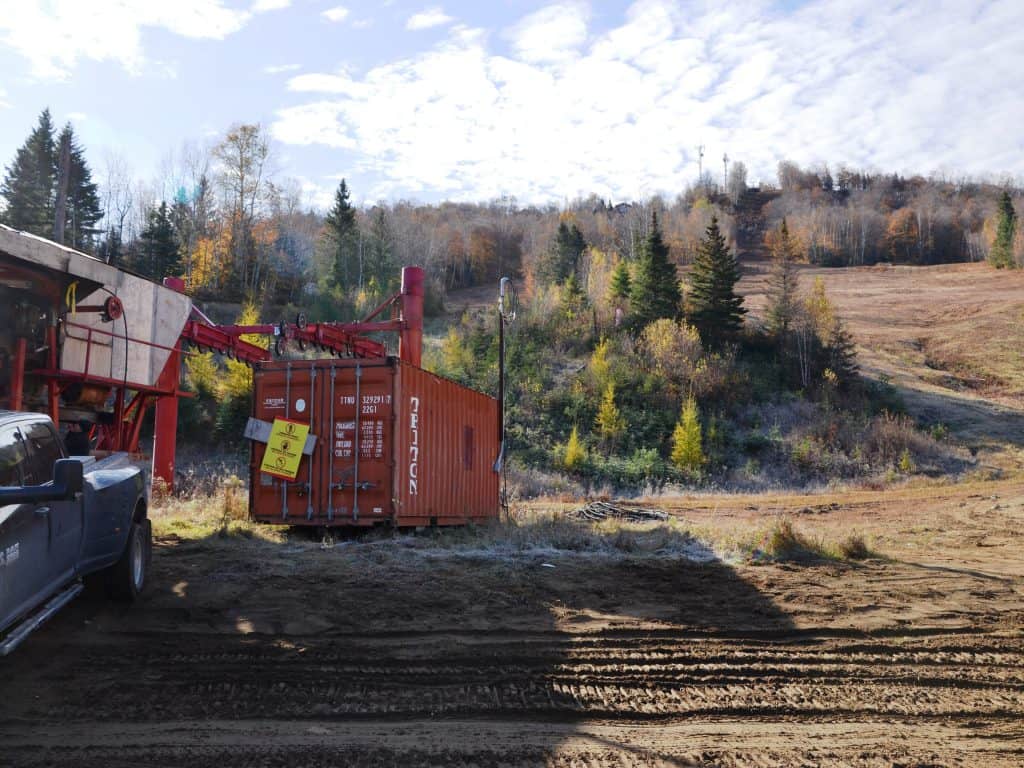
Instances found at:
x=603 y=510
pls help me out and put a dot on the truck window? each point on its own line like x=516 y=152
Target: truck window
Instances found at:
x=12 y=456
x=43 y=451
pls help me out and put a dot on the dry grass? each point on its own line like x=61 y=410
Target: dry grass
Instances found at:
x=218 y=517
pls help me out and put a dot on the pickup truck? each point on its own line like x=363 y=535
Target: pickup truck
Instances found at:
x=65 y=523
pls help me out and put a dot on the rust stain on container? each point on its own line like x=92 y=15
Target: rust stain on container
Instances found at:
x=418 y=450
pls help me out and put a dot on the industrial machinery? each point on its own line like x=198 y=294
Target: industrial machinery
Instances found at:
x=87 y=342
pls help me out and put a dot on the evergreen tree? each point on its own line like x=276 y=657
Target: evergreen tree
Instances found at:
x=782 y=283
x=654 y=292
x=159 y=254
x=563 y=257
x=380 y=265
x=842 y=353
x=342 y=233
x=574 y=300
x=610 y=422
x=28 y=184
x=82 y=201
x=687 y=452
x=618 y=289
x=713 y=305
x=1001 y=254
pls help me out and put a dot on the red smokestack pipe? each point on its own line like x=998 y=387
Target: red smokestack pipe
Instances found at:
x=410 y=344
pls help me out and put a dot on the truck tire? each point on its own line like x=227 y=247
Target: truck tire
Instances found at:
x=127 y=577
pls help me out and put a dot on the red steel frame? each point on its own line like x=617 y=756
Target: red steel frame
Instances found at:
x=342 y=339
x=132 y=399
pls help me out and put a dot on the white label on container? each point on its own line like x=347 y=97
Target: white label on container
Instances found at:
x=414 y=445
x=300 y=405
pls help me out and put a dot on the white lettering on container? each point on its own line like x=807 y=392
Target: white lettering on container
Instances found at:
x=414 y=445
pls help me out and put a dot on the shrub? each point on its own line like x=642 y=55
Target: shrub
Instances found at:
x=853 y=547
x=906 y=463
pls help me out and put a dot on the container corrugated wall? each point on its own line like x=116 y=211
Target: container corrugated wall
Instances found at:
x=419 y=449
x=448 y=444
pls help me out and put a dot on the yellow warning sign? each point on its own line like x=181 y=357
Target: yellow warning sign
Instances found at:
x=284 y=449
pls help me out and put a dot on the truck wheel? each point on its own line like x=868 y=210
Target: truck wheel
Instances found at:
x=127 y=577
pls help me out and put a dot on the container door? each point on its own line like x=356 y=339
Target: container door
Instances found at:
x=287 y=393
x=358 y=471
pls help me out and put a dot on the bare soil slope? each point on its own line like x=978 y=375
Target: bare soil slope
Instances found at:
x=949 y=337
x=252 y=653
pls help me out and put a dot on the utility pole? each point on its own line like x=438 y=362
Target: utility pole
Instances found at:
x=725 y=171
x=700 y=164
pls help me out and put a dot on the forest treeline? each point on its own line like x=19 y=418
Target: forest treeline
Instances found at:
x=633 y=362
x=220 y=217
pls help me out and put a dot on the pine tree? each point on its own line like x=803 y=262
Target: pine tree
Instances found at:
x=574 y=300
x=654 y=292
x=562 y=257
x=28 y=185
x=618 y=288
x=782 y=283
x=842 y=353
x=380 y=266
x=713 y=305
x=610 y=422
x=82 y=202
x=1001 y=254
x=687 y=452
x=159 y=253
x=342 y=232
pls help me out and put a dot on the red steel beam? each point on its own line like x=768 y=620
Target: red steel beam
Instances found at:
x=18 y=373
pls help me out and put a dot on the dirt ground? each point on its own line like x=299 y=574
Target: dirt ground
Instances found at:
x=408 y=652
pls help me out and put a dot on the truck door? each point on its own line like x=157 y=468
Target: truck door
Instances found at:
x=24 y=572
x=65 y=516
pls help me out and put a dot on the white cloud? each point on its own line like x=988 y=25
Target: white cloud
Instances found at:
x=277 y=69
x=4 y=104
x=54 y=35
x=78 y=117
x=431 y=17
x=262 y=6
x=923 y=85
x=337 y=13
x=551 y=34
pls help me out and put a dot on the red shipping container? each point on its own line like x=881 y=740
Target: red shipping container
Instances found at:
x=420 y=450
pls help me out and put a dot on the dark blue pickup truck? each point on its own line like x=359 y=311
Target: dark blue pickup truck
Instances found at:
x=64 y=523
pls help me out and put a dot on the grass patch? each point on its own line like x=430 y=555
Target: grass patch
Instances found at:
x=220 y=512
x=782 y=541
x=854 y=547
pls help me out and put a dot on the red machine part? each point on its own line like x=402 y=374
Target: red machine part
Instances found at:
x=132 y=399
x=340 y=339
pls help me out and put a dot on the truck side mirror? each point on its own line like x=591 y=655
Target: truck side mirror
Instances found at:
x=67 y=477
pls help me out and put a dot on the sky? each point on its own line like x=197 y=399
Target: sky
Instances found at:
x=540 y=101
